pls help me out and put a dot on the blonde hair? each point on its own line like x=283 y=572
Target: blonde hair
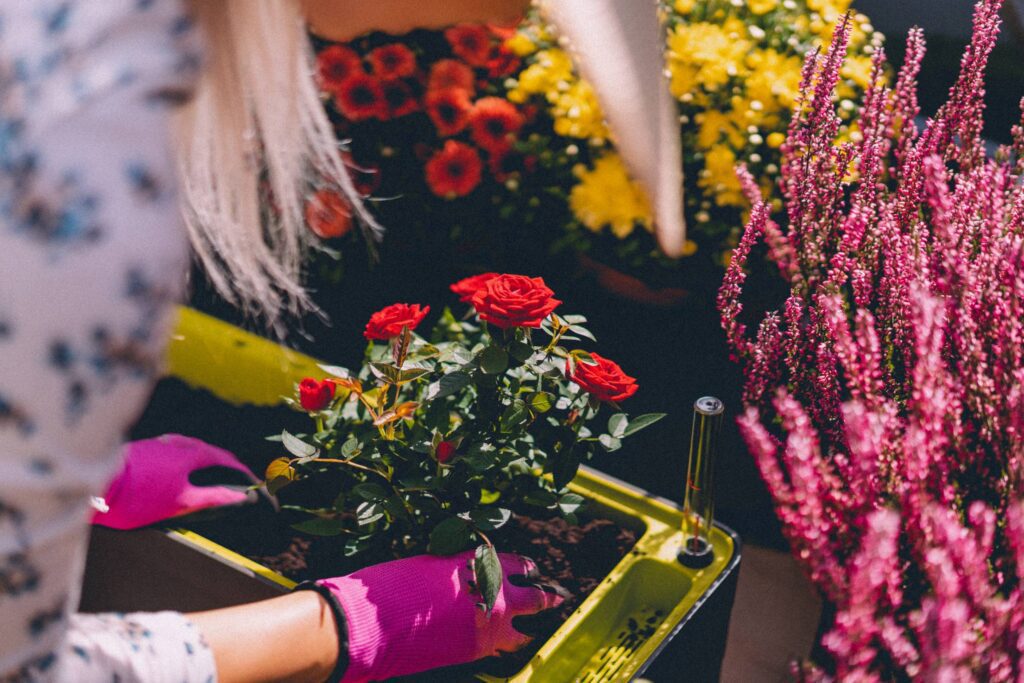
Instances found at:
x=257 y=118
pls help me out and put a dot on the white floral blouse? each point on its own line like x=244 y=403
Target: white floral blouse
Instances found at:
x=91 y=258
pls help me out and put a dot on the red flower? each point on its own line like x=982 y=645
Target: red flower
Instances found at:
x=448 y=109
x=469 y=286
x=454 y=171
x=445 y=451
x=360 y=97
x=335 y=65
x=392 y=61
x=450 y=73
x=514 y=301
x=328 y=215
x=471 y=42
x=389 y=321
x=399 y=99
x=605 y=381
x=493 y=122
x=314 y=395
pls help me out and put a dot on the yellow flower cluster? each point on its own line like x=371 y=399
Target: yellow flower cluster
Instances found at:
x=735 y=66
x=572 y=101
x=606 y=196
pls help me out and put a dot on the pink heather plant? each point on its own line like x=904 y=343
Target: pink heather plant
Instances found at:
x=885 y=399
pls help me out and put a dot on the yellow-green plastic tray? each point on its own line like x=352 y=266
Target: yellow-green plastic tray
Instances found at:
x=618 y=629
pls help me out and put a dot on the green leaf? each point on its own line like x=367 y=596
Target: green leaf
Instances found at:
x=449 y=537
x=385 y=371
x=350 y=448
x=493 y=360
x=354 y=546
x=583 y=332
x=335 y=370
x=489 y=518
x=574 y=319
x=609 y=442
x=487 y=569
x=448 y=385
x=320 y=527
x=541 y=498
x=277 y=483
x=515 y=416
x=565 y=468
x=641 y=421
x=541 y=402
x=569 y=503
x=368 y=513
x=370 y=492
x=297 y=446
x=521 y=351
x=617 y=424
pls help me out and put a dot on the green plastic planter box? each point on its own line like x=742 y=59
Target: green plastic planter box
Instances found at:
x=650 y=616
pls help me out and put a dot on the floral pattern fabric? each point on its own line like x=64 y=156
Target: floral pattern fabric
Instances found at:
x=91 y=260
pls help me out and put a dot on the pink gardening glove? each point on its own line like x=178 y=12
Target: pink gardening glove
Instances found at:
x=153 y=484
x=411 y=615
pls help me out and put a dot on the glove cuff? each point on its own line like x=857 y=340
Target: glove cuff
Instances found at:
x=340 y=621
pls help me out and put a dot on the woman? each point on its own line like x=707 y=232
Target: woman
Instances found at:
x=91 y=261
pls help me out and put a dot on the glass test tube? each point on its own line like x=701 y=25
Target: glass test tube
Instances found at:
x=698 y=501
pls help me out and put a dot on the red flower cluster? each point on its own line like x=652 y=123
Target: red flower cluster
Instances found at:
x=388 y=322
x=390 y=84
x=315 y=395
x=605 y=380
x=514 y=301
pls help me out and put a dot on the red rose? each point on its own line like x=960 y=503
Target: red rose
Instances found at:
x=454 y=171
x=328 y=215
x=398 y=99
x=450 y=73
x=389 y=321
x=514 y=301
x=314 y=395
x=493 y=122
x=360 y=97
x=392 y=61
x=605 y=381
x=471 y=42
x=469 y=286
x=448 y=109
x=335 y=65
x=445 y=451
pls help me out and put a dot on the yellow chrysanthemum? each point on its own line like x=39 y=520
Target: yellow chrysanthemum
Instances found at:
x=684 y=6
x=774 y=79
x=521 y=44
x=858 y=68
x=762 y=6
x=716 y=55
x=606 y=196
x=720 y=177
x=716 y=126
x=577 y=112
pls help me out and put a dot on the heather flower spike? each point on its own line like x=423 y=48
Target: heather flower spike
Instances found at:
x=884 y=400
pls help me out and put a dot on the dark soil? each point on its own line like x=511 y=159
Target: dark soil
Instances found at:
x=573 y=558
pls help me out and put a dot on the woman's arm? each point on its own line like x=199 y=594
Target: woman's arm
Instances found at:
x=290 y=638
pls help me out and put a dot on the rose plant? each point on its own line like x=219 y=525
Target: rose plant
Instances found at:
x=436 y=442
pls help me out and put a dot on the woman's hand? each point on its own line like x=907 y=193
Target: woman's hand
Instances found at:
x=421 y=613
x=153 y=483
